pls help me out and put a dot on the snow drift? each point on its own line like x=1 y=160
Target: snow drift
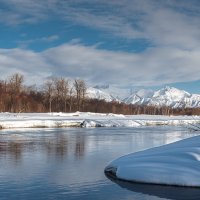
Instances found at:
x=175 y=164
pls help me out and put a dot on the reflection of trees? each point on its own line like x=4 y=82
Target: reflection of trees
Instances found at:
x=79 y=146
x=14 y=149
x=61 y=146
x=57 y=145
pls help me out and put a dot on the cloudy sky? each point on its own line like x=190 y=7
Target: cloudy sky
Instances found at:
x=124 y=43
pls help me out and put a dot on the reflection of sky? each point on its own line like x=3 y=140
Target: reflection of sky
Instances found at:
x=71 y=161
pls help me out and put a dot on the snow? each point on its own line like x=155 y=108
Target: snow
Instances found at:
x=172 y=164
x=116 y=92
x=88 y=119
x=145 y=93
x=168 y=96
x=94 y=93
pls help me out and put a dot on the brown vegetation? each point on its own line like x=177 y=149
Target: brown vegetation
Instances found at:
x=58 y=95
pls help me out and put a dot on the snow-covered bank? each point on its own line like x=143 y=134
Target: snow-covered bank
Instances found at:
x=173 y=164
x=87 y=119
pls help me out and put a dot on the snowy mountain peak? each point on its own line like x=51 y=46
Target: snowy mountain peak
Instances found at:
x=94 y=93
x=172 y=92
x=139 y=97
x=167 y=96
x=143 y=93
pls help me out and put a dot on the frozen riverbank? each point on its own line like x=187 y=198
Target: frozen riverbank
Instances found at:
x=80 y=119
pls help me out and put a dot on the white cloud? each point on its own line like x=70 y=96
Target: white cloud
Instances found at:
x=164 y=23
x=155 y=66
x=30 y=64
x=48 y=39
x=23 y=11
x=172 y=27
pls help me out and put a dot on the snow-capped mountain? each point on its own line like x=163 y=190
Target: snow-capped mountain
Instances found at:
x=94 y=93
x=116 y=92
x=140 y=97
x=168 y=96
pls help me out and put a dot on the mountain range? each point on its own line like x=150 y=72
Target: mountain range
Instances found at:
x=167 y=96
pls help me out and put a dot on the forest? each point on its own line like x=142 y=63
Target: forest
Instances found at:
x=63 y=95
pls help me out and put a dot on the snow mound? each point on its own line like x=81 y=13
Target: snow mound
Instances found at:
x=173 y=164
x=109 y=123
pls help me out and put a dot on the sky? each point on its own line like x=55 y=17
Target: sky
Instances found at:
x=123 y=43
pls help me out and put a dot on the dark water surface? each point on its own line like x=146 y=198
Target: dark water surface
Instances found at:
x=69 y=163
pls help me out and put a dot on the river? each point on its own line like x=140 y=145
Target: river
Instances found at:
x=68 y=163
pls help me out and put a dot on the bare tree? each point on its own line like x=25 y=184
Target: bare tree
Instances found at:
x=3 y=95
x=80 y=89
x=49 y=92
x=61 y=93
x=71 y=98
x=14 y=87
x=16 y=81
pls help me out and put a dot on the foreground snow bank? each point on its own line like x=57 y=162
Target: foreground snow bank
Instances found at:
x=173 y=164
x=87 y=119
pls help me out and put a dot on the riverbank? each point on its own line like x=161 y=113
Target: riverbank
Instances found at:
x=87 y=119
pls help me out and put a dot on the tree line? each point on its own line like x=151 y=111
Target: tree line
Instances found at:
x=55 y=95
x=59 y=94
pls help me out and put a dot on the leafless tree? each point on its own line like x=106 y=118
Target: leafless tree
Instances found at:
x=14 y=88
x=71 y=98
x=61 y=93
x=49 y=92
x=80 y=89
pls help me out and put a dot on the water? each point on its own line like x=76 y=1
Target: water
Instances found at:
x=69 y=163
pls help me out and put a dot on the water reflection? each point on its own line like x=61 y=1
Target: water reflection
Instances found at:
x=15 y=150
x=168 y=192
x=63 y=143
x=79 y=146
x=59 y=145
x=68 y=163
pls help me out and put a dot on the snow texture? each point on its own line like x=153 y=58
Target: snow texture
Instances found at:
x=88 y=119
x=172 y=164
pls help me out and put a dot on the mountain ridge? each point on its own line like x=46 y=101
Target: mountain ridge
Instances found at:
x=167 y=96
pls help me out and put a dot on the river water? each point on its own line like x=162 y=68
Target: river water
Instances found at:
x=68 y=163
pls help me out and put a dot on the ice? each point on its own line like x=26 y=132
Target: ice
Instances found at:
x=172 y=164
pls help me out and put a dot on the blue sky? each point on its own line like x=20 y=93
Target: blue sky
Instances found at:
x=127 y=44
